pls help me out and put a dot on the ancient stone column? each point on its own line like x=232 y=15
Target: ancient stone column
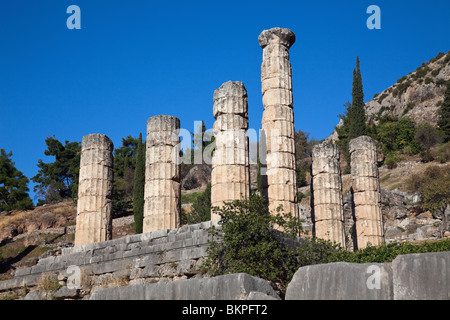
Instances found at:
x=366 y=192
x=327 y=193
x=278 y=119
x=230 y=176
x=162 y=206
x=93 y=223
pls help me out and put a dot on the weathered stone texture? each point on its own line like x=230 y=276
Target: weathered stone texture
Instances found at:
x=327 y=194
x=366 y=192
x=230 y=176
x=239 y=286
x=93 y=223
x=162 y=207
x=424 y=276
x=342 y=281
x=278 y=129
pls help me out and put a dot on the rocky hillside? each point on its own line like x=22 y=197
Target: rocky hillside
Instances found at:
x=418 y=95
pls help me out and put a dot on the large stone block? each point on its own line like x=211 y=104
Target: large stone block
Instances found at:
x=424 y=276
x=230 y=98
x=342 y=281
x=226 y=287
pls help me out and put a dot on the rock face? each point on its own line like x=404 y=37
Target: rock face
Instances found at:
x=280 y=185
x=230 y=176
x=366 y=192
x=197 y=177
x=327 y=212
x=93 y=223
x=239 y=286
x=162 y=208
x=417 y=95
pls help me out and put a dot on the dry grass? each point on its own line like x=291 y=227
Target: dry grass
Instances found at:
x=42 y=216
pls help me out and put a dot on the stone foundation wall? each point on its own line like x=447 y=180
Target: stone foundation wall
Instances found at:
x=162 y=255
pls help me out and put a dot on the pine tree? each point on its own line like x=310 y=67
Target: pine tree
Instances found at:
x=444 y=115
x=13 y=185
x=59 y=179
x=139 y=183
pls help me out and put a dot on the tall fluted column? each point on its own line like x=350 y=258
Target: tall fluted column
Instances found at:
x=278 y=119
x=366 y=192
x=93 y=223
x=327 y=193
x=162 y=207
x=230 y=176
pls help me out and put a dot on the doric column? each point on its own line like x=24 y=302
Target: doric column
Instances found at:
x=93 y=223
x=278 y=119
x=162 y=207
x=230 y=176
x=327 y=193
x=366 y=191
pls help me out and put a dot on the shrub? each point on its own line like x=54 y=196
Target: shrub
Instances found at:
x=201 y=207
x=428 y=80
x=409 y=107
x=442 y=154
x=388 y=252
x=395 y=134
x=247 y=241
x=427 y=136
x=391 y=160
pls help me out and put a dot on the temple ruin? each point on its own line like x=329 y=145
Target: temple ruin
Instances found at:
x=162 y=193
x=280 y=186
x=230 y=176
x=93 y=223
x=327 y=193
x=366 y=192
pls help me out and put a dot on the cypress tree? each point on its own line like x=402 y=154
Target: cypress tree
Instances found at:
x=444 y=115
x=356 y=114
x=139 y=182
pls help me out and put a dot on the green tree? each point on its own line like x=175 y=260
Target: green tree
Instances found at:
x=139 y=183
x=248 y=241
x=59 y=179
x=13 y=185
x=427 y=136
x=357 y=113
x=444 y=115
x=201 y=208
x=124 y=166
x=354 y=118
x=303 y=151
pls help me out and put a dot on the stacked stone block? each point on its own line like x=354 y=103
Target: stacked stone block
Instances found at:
x=327 y=193
x=230 y=176
x=366 y=192
x=162 y=207
x=278 y=119
x=93 y=222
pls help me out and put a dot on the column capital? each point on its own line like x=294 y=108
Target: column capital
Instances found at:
x=281 y=36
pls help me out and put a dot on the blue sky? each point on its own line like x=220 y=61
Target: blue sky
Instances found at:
x=135 y=59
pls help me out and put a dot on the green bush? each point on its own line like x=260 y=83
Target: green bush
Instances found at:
x=248 y=241
x=395 y=134
x=391 y=160
x=388 y=252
